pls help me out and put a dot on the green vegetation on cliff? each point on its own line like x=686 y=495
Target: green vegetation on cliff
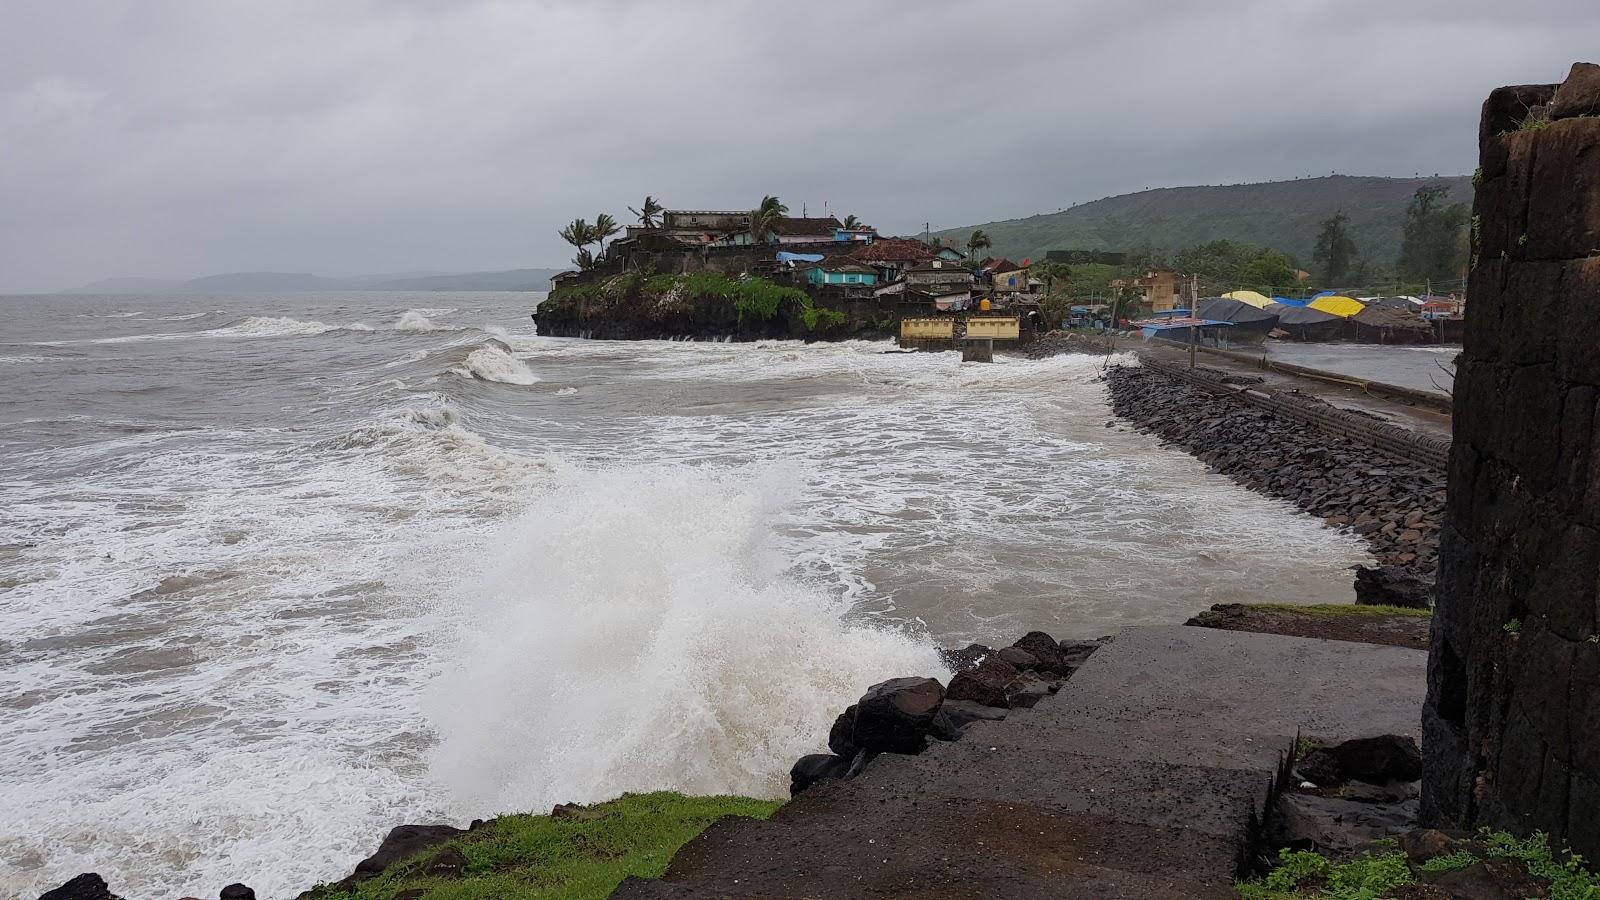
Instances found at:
x=1287 y=216
x=689 y=300
x=580 y=856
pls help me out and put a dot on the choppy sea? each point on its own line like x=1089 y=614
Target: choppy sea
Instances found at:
x=279 y=573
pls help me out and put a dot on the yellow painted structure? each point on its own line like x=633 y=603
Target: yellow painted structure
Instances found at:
x=1001 y=328
x=929 y=329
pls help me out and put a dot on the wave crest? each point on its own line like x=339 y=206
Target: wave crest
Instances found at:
x=634 y=633
x=493 y=362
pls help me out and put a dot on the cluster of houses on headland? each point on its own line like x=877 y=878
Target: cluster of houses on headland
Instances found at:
x=828 y=258
x=850 y=267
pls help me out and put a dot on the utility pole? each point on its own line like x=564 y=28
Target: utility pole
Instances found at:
x=1194 y=316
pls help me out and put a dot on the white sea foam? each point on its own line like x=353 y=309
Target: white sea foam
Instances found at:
x=494 y=362
x=634 y=632
x=415 y=320
x=281 y=326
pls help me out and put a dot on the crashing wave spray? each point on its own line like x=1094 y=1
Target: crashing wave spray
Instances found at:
x=637 y=635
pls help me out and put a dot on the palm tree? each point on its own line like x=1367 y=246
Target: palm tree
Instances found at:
x=851 y=223
x=647 y=212
x=978 y=241
x=605 y=228
x=580 y=234
x=765 y=217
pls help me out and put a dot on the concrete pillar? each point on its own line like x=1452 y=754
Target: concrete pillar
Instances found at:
x=1512 y=722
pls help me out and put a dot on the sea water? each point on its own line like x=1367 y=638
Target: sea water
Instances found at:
x=278 y=573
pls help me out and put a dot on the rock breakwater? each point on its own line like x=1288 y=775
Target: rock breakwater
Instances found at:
x=1395 y=504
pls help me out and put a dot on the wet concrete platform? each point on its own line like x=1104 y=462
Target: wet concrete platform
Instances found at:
x=1147 y=776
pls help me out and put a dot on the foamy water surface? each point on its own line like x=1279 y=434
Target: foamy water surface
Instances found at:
x=281 y=573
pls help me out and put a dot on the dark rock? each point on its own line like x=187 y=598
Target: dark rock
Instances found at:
x=1048 y=651
x=447 y=863
x=1423 y=844
x=1364 y=792
x=1024 y=693
x=575 y=811
x=962 y=713
x=966 y=658
x=88 y=886
x=1492 y=879
x=1319 y=767
x=893 y=716
x=238 y=892
x=1076 y=653
x=1379 y=760
x=1579 y=95
x=840 y=736
x=1392 y=586
x=403 y=841
x=1310 y=822
x=817 y=767
x=986 y=684
x=859 y=764
x=1019 y=658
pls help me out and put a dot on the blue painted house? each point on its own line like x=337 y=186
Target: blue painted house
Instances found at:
x=841 y=271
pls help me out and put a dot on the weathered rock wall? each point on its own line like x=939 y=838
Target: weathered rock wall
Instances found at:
x=1512 y=722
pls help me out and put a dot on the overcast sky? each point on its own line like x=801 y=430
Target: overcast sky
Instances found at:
x=175 y=139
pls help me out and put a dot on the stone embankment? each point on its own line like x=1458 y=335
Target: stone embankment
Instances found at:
x=1396 y=504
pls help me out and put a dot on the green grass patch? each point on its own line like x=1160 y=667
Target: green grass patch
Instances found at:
x=1303 y=874
x=818 y=319
x=542 y=857
x=1343 y=609
x=1450 y=862
x=755 y=298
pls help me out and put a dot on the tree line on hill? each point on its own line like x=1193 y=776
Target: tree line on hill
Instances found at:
x=1433 y=252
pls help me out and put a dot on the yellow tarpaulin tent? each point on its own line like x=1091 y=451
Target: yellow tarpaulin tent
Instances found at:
x=1343 y=307
x=1250 y=297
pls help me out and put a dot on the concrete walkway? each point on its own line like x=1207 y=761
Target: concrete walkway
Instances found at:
x=1415 y=418
x=1146 y=777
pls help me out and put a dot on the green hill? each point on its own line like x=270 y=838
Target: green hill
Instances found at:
x=1282 y=215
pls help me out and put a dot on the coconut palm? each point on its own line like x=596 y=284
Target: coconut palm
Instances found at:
x=647 y=212
x=605 y=228
x=978 y=241
x=580 y=234
x=764 y=218
x=851 y=223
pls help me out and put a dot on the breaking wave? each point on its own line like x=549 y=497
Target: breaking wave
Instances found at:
x=281 y=326
x=493 y=362
x=634 y=632
x=415 y=320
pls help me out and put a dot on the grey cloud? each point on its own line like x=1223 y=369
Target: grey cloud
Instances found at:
x=177 y=138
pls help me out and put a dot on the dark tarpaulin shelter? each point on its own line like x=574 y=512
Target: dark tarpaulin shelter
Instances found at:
x=1383 y=325
x=1303 y=323
x=1250 y=323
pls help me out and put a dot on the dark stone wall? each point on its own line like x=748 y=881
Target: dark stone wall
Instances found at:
x=1512 y=722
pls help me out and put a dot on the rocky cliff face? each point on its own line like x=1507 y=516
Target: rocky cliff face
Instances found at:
x=702 y=306
x=1512 y=722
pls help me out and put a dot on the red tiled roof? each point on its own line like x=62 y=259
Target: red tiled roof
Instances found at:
x=893 y=250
